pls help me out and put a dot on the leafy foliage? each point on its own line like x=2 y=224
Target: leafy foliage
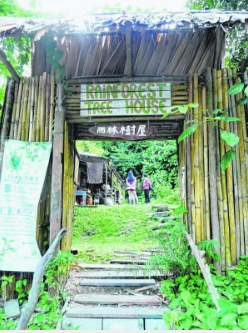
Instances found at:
x=174 y=254
x=157 y=158
x=192 y=307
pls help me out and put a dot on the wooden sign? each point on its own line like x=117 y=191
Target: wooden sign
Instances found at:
x=125 y=99
x=125 y=131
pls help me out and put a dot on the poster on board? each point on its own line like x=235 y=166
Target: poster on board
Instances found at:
x=23 y=174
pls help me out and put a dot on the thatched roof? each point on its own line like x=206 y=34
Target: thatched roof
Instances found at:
x=114 y=22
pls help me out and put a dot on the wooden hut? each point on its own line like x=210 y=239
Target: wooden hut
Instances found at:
x=87 y=80
x=102 y=187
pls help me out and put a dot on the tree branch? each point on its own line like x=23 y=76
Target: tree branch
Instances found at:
x=8 y=65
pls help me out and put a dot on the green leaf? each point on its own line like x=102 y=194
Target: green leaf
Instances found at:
x=246 y=91
x=216 y=111
x=193 y=105
x=190 y=130
x=18 y=283
x=243 y=322
x=228 y=319
x=180 y=210
x=183 y=109
x=230 y=138
x=226 y=159
x=242 y=101
x=243 y=308
x=238 y=87
x=24 y=282
x=228 y=119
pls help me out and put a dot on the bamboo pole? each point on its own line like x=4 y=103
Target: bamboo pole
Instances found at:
x=36 y=102
x=20 y=122
x=18 y=108
x=52 y=101
x=38 y=120
x=47 y=116
x=201 y=169
x=27 y=111
x=188 y=166
x=192 y=184
x=206 y=172
x=13 y=117
x=223 y=175
x=236 y=177
x=229 y=177
x=212 y=166
x=43 y=107
x=196 y=166
x=242 y=149
x=8 y=106
x=31 y=118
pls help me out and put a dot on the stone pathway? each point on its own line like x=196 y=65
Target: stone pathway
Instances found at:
x=117 y=296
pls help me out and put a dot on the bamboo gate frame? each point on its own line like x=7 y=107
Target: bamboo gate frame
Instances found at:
x=217 y=201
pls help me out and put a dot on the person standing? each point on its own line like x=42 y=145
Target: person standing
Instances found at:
x=131 y=187
x=146 y=187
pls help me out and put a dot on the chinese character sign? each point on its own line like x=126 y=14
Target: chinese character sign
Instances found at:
x=125 y=99
x=23 y=174
x=126 y=131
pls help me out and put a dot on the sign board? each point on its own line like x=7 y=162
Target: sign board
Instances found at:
x=125 y=99
x=125 y=131
x=23 y=174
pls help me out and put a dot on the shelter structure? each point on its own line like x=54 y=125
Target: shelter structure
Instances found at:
x=97 y=181
x=129 y=76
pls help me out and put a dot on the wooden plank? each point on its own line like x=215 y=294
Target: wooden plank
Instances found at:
x=117 y=299
x=109 y=266
x=117 y=282
x=132 y=274
x=112 y=312
x=115 y=261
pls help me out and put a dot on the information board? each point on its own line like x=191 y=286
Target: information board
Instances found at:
x=23 y=174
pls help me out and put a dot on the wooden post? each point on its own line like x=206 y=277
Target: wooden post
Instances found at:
x=129 y=65
x=57 y=168
x=212 y=166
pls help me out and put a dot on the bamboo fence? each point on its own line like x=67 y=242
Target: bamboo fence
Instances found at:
x=29 y=113
x=231 y=187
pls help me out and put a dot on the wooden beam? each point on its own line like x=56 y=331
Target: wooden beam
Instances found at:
x=57 y=168
x=8 y=65
x=212 y=167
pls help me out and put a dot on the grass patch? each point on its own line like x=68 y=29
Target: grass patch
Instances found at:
x=98 y=232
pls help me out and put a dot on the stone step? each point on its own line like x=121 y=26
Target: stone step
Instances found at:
x=160 y=208
x=133 y=274
x=127 y=261
x=117 y=282
x=109 y=266
x=117 y=299
x=113 y=312
x=99 y=324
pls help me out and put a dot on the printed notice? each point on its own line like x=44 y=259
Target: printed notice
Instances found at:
x=23 y=174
